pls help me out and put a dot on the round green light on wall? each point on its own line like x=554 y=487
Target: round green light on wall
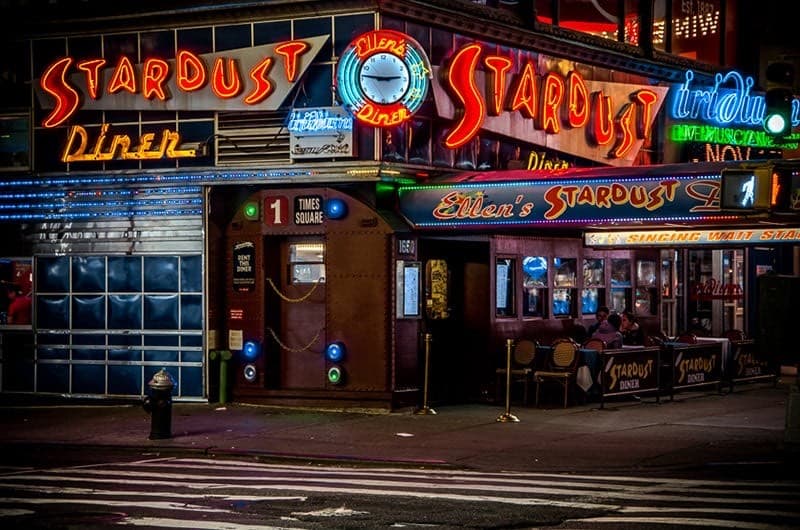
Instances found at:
x=250 y=210
x=335 y=375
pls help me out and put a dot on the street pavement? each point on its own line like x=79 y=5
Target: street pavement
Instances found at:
x=697 y=430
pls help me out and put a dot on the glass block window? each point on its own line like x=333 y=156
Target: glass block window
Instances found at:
x=106 y=324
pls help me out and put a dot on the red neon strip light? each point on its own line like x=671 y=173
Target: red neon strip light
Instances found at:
x=229 y=85
x=601 y=126
x=92 y=68
x=191 y=72
x=154 y=75
x=552 y=94
x=124 y=77
x=625 y=136
x=496 y=81
x=54 y=82
x=263 y=86
x=645 y=99
x=525 y=94
x=461 y=78
x=578 y=101
x=381 y=40
x=291 y=52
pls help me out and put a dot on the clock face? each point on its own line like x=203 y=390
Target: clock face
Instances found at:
x=384 y=78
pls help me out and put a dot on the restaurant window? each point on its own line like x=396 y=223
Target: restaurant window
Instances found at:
x=534 y=286
x=599 y=18
x=646 y=288
x=564 y=286
x=16 y=275
x=232 y=37
x=348 y=27
x=307 y=263
x=692 y=29
x=620 y=285
x=437 y=289
x=504 y=269
x=394 y=144
x=593 y=294
x=15 y=148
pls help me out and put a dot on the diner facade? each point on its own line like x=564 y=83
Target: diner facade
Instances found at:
x=329 y=193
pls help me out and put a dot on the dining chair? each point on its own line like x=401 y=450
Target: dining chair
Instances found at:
x=561 y=367
x=521 y=367
x=594 y=344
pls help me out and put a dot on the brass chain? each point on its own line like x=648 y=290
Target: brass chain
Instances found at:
x=294 y=350
x=292 y=300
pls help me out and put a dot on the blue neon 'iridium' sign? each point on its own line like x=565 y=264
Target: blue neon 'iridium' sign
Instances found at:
x=728 y=102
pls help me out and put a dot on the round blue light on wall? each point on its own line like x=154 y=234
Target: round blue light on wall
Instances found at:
x=335 y=209
x=334 y=352
x=251 y=349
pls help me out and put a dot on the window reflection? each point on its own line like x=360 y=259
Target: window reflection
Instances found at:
x=307 y=262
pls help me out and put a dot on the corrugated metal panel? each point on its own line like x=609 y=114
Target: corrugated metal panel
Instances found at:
x=111 y=220
x=135 y=236
x=252 y=139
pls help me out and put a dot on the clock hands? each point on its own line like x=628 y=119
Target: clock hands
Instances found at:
x=381 y=77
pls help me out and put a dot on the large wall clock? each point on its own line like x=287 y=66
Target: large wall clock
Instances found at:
x=383 y=77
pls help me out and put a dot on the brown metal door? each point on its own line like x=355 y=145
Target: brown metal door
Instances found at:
x=299 y=331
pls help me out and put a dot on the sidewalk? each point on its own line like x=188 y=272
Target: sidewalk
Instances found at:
x=696 y=429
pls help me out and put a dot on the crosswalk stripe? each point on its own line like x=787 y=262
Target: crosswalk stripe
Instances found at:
x=559 y=489
x=161 y=522
x=172 y=486
x=681 y=522
x=136 y=493
x=111 y=502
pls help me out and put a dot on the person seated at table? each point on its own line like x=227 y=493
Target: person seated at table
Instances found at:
x=601 y=316
x=608 y=331
x=632 y=333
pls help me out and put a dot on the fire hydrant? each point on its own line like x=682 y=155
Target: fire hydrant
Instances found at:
x=159 y=405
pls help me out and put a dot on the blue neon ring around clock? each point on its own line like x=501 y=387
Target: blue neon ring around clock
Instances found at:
x=352 y=95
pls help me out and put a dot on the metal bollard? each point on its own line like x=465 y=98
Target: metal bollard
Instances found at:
x=159 y=405
x=507 y=417
x=425 y=409
x=224 y=356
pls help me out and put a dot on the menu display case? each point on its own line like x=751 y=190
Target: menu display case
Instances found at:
x=534 y=286
x=593 y=294
x=565 y=283
x=645 y=296
x=621 y=285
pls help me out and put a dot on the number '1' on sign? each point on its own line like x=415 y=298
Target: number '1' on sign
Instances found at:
x=276 y=210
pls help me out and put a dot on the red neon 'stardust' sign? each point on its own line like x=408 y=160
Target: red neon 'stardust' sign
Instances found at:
x=551 y=100
x=239 y=74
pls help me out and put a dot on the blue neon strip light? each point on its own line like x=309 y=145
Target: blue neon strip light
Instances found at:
x=101 y=215
x=155 y=179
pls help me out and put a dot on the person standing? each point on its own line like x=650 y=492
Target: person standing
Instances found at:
x=19 y=306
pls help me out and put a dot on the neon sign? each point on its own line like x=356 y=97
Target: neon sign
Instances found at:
x=383 y=77
x=559 y=201
x=257 y=78
x=318 y=120
x=119 y=146
x=553 y=102
x=691 y=237
x=728 y=102
x=685 y=132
